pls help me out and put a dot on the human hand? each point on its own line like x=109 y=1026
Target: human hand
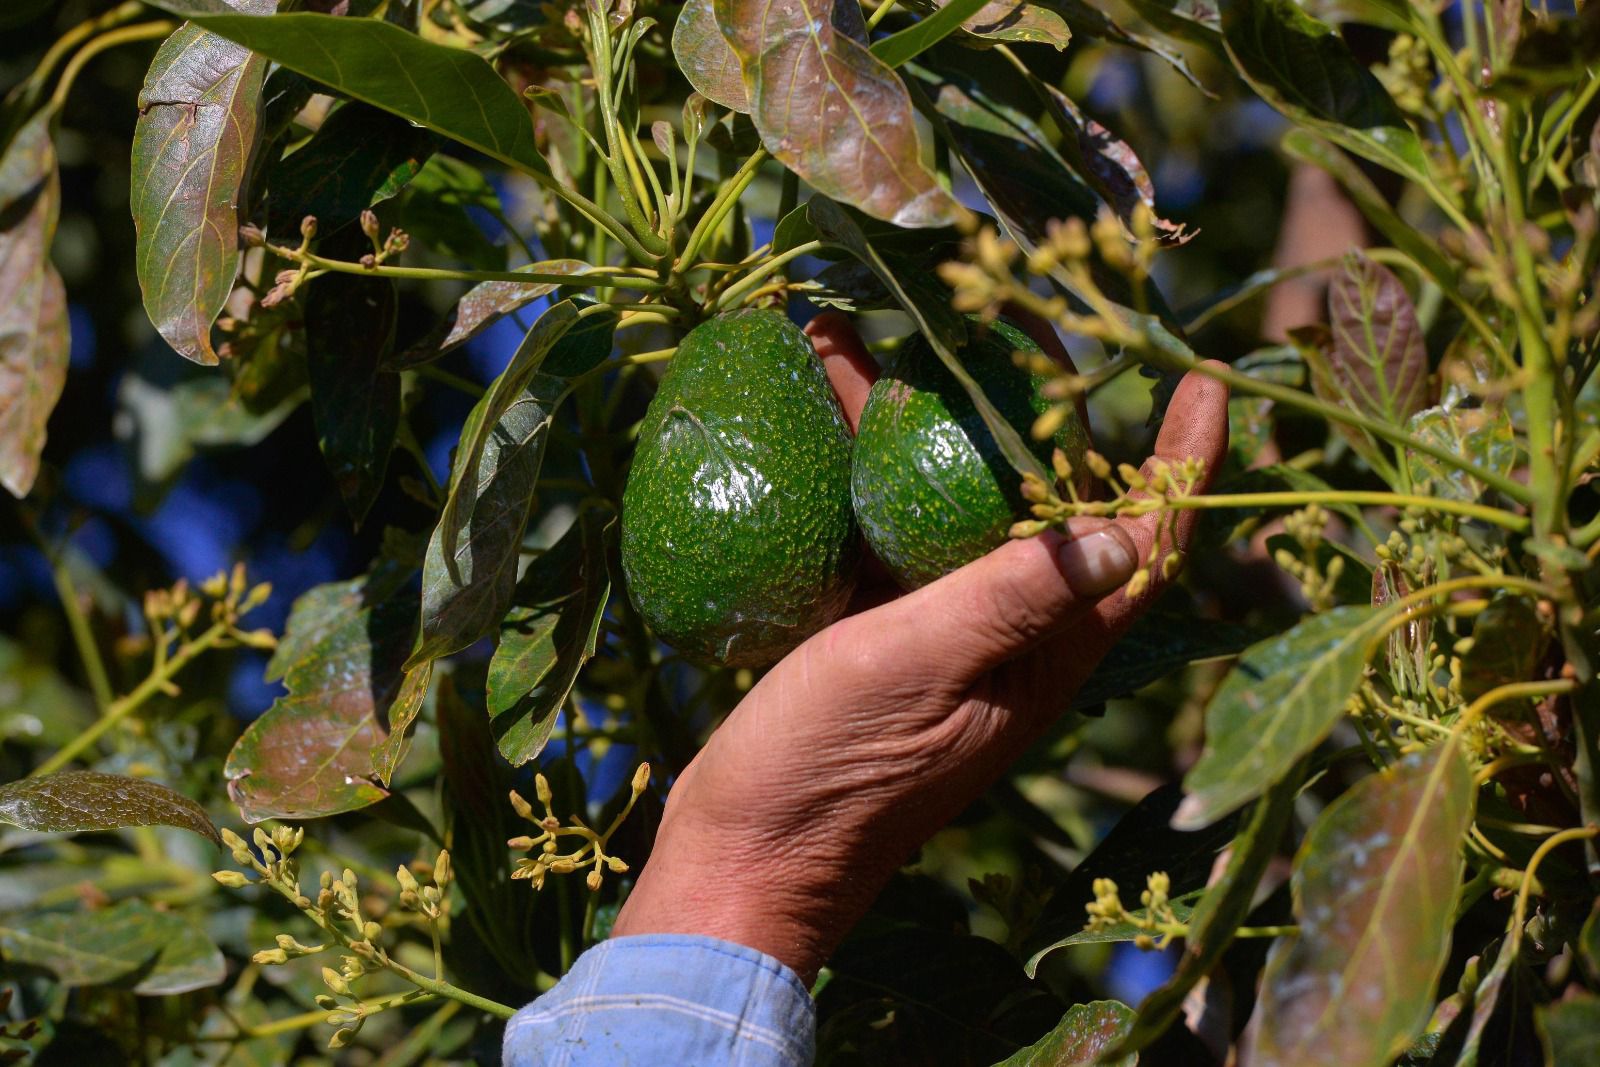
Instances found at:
x=869 y=737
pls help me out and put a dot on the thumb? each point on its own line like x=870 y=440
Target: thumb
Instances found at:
x=1003 y=604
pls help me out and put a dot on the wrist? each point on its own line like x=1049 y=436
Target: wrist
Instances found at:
x=754 y=889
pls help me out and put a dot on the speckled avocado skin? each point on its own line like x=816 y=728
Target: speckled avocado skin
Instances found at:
x=738 y=540
x=932 y=490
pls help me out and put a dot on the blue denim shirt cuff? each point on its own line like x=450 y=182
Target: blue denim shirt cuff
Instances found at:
x=659 y=999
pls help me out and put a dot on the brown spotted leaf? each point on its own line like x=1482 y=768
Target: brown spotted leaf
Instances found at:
x=831 y=111
x=311 y=754
x=1084 y=1033
x=1375 y=889
x=403 y=712
x=1030 y=186
x=1109 y=165
x=90 y=800
x=33 y=304
x=1017 y=21
x=1377 y=363
x=706 y=58
x=198 y=114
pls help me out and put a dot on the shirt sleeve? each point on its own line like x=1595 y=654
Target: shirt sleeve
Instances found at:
x=658 y=999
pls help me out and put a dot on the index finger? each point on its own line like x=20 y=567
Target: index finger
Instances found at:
x=850 y=366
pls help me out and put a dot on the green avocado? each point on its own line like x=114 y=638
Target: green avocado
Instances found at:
x=932 y=489
x=738 y=540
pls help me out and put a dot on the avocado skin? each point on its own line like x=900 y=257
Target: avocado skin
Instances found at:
x=931 y=488
x=738 y=540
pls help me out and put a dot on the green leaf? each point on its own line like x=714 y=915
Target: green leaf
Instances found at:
x=1159 y=643
x=929 y=307
x=483 y=305
x=359 y=156
x=1016 y=21
x=434 y=212
x=155 y=953
x=355 y=402
x=192 y=145
x=283 y=97
x=1481 y=435
x=1486 y=999
x=1307 y=147
x=706 y=58
x=1508 y=643
x=451 y=91
x=471 y=563
x=1304 y=69
x=550 y=632
x=1571 y=1031
x=831 y=111
x=1375 y=888
x=1588 y=944
x=917 y=38
x=1029 y=184
x=1142 y=842
x=33 y=304
x=1394 y=15
x=1084 y=1034
x=1277 y=704
x=311 y=753
x=1089 y=20
x=1220 y=912
x=89 y=800
x=1190 y=20
x=458 y=183
x=219 y=1034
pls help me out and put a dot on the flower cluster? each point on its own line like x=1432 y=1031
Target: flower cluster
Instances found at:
x=1318 y=579
x=339 y=911
x=591 y=853
x=1133 y=493
x=172 y=614
x=1080 y=257
x=1155 y=918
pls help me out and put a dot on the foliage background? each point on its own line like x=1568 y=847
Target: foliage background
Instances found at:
x=151 y=475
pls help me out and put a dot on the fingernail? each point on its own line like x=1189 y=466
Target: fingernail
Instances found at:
x=1096 y=563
